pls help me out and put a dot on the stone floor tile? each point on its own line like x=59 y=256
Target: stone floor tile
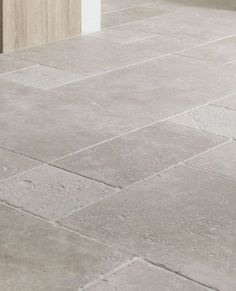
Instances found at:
x=86 y=55
x=51 y=193
x=210 y=118
x=221 y=160
x=123 y=34
x=130 y=15
x=10 y=94
x=37 y=256
x=138 y=155
x=222 y=51
x=208 y=7
x=183 y=219
x=114 y=5
x=141 y=41
x=194 y=24
x=41 y=77
x=154 y=90
x=12 y=163
x=141 y=276
x=49 y=125
x=99 y=108
x=227 y=103
x=9 y=64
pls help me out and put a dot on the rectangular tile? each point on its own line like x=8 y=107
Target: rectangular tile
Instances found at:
x=51 y=193
x=221 y=160
x=114 y=5
x=138 y=155
x=214 y=119
x=9 y=64
x=195 y=24
x=141 y=276
x=58 y=122
x=41 y=77
x=221 y=51
x=137 y=40
x=38 y=256
x=183 y=219
x=122 y=34
x=86 y=55
x=11 y=164
x=154 y=90
x=131 y=14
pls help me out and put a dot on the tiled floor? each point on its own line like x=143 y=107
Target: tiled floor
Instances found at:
x=118 y=154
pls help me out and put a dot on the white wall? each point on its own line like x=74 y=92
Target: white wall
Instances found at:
x=90 y=16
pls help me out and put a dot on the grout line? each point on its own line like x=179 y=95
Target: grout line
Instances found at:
x=51 y=163
x=104 y=276
x=190 y=166
x=222 y=107
x=143 y=127
x=155 y=174
x=20 y=70
x=161 y=55
x=209 y=150
x=150 y=36
x=55 y=224
x=84 y=176
x=165 y=12
x=178 y=273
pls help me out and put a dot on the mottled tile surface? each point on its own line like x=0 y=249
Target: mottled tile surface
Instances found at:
x=10 y=64
x=51 y=193
x=221 y=160
x=227 y=103
x=214 y=119
x=138 y=155
x=41 y=77
x=183 y=219
x=141 y=276
x=131 y=14
x=11 y=164
x=148 y=105
x=36 y=255
x=222 y=51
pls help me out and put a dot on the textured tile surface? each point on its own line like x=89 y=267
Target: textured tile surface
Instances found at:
x=222 y=51
x=11 y=164
x=200 y=25
x=86 y=55
x=136 y=156
x=184 y=219
x=41 y=77
x=37 y=256
x=221 y=160
x=227 y=103
x=9 y=64
x=215 y=119
x=51 y=193
x=130 y=14
x=142 y=276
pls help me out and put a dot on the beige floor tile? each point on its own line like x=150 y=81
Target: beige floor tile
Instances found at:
x=38 y=256
x=136 y=156
x=212 y=119
x=183 y=219
x=51 y=193
x=12 y=164
x=41 y=77
x=221 y=160
x=142 y=276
